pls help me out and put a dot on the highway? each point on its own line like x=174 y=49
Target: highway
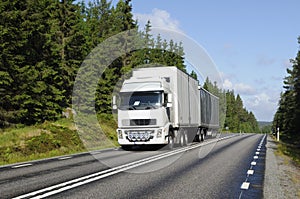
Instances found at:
x=231 y=166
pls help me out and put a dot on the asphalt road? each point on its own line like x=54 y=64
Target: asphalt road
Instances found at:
x=230 y=167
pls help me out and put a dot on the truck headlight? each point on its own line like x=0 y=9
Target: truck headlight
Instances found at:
x=120 y=134
x=159 y=133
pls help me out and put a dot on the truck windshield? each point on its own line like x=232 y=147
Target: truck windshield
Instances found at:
x=141 y=100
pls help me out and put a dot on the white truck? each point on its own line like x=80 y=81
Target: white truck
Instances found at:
x=164 y=105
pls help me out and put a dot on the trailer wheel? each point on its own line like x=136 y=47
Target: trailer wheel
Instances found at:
x=202 y=136
x=183 y=138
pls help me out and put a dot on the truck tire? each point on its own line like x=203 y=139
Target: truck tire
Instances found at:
x=202 y=136
x=171 y=140
x=183 y=138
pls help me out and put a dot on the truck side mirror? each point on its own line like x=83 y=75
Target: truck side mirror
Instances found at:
x=169 y=104
x=114 y=102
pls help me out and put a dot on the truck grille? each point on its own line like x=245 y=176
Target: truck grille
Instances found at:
x=142 y=122
x=139 y=122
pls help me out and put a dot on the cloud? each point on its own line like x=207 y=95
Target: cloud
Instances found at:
x=244 y=89
x=239 y=88
x=158 y=18
x=261 y=100
x=263 y=104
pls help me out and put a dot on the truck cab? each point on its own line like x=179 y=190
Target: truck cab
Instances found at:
x=144 y=111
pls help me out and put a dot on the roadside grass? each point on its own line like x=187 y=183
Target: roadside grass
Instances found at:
x=289 y=150
x=49 y=139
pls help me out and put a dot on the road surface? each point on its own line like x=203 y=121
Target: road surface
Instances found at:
x=228 y=167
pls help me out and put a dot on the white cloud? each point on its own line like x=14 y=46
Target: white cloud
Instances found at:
x=158 y=18
x=239 y=88
x=227 y=85
x=244 y=89
x=263 y=105
x=262 y=102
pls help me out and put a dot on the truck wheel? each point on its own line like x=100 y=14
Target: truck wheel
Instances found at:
x=183 y=138
x=202 y=137
x=171 y=140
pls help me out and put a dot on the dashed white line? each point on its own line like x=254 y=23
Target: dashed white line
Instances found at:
x=245 y=185
x=250 y=172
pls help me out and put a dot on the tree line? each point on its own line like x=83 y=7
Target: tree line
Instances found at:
x=287 y=116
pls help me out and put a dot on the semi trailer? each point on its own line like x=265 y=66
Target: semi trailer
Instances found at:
x=164 y=105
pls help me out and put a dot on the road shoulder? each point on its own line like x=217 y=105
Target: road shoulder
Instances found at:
x=281 y=175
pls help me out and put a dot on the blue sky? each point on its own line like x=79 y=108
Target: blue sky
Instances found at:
x=250 y=42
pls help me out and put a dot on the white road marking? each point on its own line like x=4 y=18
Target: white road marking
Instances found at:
x=103 y=174
x=65 y=158
x=250 y=172
x=245 y=185
x=21 y=165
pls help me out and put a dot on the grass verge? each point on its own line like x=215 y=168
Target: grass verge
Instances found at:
x=46 y=140
x=289 y=150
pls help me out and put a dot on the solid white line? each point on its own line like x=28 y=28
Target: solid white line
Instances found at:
x=21 y=165
x=99 y=175
x=65 y=158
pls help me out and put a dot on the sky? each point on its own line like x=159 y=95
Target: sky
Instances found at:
x=250 y=42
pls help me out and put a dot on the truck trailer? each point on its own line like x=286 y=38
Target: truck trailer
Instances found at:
x=164 y=105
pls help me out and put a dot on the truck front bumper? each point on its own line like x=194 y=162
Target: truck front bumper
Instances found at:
x=142 y=136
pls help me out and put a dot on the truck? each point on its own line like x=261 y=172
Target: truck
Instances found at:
x=164 y=106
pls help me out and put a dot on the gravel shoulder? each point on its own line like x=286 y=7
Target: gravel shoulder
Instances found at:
x=282 y=176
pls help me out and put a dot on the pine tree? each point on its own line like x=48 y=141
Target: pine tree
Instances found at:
x=287 y=116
